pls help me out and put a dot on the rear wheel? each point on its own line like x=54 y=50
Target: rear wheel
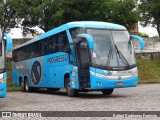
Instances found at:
x=22 y=85
x=70 y=92
x=53 y=89
x=107 y=91
x=27 y=88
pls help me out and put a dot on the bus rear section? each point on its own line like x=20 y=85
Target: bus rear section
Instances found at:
x=78 y=56
x=5 y=45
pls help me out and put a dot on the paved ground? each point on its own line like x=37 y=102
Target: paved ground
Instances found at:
x=141 y=98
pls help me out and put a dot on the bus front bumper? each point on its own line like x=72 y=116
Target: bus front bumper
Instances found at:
x=100 y=83
x=3 y=91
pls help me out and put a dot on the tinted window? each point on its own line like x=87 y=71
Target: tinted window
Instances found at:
x=51 y=44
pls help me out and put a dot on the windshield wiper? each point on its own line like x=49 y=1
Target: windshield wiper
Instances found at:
x=121 y=56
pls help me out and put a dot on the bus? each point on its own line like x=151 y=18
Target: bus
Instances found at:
x=79 y=56
x=5 y=45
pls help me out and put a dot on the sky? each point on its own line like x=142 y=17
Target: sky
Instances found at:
x=151 y=31
x=16 y=33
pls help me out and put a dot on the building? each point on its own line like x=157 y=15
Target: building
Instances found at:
x=134 y=31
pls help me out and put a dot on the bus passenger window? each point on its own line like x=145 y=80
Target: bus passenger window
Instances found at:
x=63 y=43
x=40 y=51
x=31 y=51
x=49 y=45
x=54 y=44
x=60 y=42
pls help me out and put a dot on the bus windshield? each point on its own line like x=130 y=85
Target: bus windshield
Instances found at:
x=112 y=48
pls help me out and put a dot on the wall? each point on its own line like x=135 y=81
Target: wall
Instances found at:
x=151 y=51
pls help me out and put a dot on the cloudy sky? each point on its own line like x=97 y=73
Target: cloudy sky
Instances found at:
x=151 y=31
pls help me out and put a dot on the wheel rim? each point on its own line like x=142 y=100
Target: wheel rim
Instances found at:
x=69 y=90
x=26 y=86
x=22 y=84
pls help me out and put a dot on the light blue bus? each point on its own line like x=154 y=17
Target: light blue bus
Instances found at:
x=79 y=56
x=5 y=44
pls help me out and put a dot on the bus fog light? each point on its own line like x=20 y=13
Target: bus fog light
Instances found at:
x=73 y=79
x=73 y=73
x=99 y=84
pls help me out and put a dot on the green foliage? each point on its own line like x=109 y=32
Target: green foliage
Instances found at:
x=9 y=13
x=143 y=34
x=150 y=13
x=156 y=36
x=10 y=86
x=148 y=71
x=48 y=14
x=122 y=12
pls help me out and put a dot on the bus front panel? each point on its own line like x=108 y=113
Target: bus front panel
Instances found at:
x=3 y=85
x=103 y=79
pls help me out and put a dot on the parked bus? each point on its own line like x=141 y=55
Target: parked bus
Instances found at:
x=78 y=56
x=5 y=44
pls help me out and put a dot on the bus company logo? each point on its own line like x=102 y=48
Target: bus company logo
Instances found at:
x=36 y=72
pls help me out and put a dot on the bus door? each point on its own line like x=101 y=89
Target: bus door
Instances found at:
x=83 y=64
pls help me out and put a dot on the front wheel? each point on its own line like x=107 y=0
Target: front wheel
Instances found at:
x=107 y=91
x=70 y=92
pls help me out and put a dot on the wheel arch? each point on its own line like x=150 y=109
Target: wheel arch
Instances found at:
x=26 y=78
x=20 y=79
x=67 y=75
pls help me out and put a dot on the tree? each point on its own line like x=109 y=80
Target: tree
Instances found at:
x=48 y=14
x=52 y=13
x=122 y=12
x=9 y=14
x=150 y=13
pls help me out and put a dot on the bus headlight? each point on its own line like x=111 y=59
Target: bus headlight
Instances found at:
x=2 y=81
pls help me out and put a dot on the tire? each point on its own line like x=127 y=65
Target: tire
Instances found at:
x=53 y=89
x=27 y=88
x=107 y=91
x=70 y=92
x=22 y=86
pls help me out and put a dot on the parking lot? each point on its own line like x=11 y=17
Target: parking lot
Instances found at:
x=141 y=98
x=144 y=97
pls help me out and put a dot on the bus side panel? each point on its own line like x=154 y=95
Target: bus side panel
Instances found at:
x=17 y=72
x=38 y=72
x=55 y=80
x=57 y=68
x=15 y=77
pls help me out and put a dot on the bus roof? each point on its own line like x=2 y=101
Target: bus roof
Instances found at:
x=95 y=24
x=84 y=24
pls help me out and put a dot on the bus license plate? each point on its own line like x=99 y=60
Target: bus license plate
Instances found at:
x=119 y=83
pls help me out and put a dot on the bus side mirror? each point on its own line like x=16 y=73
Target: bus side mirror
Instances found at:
x=8 y=42
x=89 y=40
x=140 y=40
